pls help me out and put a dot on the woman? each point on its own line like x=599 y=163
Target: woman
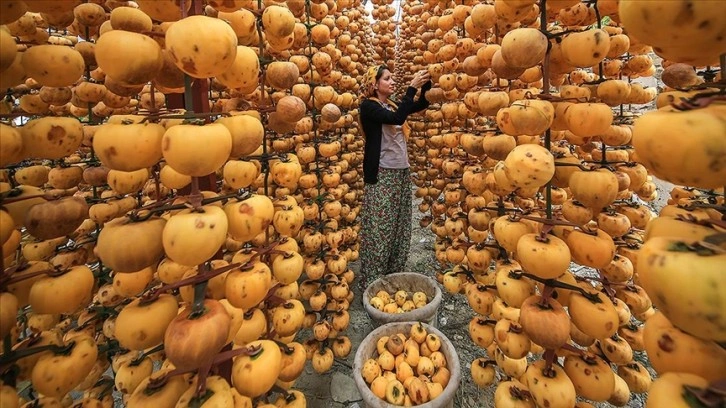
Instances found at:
x=386 y=213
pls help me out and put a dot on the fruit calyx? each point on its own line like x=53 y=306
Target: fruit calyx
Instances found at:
x=486 y=363
x=542 y=238
x=633 y=366
x=543 y=304
x=515 y=274
x=483 y=321
x=712 y=397
x=701 y=248
x=632 y=327
x=515 y=328
x=290 y=397
x=589 y=358
x=284 y=348
x=198 y=400
x=519 y=393
x=587 y=230
x=156 y=384
x=549 y=372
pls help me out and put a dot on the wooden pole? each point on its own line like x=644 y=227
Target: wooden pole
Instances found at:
x=194 y=99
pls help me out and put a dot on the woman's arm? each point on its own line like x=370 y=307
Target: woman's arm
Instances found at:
x=422 y=103
x=374 y=111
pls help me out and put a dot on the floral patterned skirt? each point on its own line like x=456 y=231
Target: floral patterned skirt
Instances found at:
x=385 y=225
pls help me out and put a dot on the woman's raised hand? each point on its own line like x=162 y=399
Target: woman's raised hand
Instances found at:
x=420 y=78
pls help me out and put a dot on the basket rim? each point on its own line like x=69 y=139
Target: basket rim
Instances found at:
x=379 y=316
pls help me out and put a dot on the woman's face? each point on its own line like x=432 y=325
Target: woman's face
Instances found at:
x=385 y=84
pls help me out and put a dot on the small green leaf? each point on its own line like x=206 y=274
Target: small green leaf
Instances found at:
x=198 y=401
x=692 y=400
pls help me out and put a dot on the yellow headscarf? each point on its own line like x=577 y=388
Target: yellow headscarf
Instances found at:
x=369 y=81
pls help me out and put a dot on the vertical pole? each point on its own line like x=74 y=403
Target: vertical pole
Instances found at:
x=722 y=61
x=603 y=146
x=195 y=99
x=188 y=95
x=546 y=91
x=319 y=200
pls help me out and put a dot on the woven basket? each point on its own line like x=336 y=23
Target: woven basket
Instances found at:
x=367 y=349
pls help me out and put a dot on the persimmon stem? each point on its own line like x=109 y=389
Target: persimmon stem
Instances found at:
x=466 y=272
x=226 y=355
x=145 y=354
x=155 y=384
x=198 y=308
x=9 y=280
x=485 y=363
x=515 y=328
x=546 y=295
x=195 y=196
x=557 y=284
x=271 y=298
x=156 y=170
x=202 y=375
x=108 y=385
x=192 y=280
x=549 y=357
x=570 y=347
x=284 y=347
x=16 y=355
x=15 y=200
x=161 y=207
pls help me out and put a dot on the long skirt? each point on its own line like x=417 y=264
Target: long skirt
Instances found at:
x=385 y=225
